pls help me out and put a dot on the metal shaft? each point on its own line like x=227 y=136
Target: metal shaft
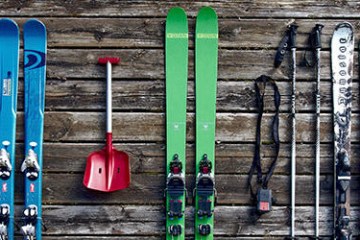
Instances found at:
x=293 y=142
x=317 y=145
x=108 y=98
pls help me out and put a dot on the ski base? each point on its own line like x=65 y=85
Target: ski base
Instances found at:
x=34 y=91
x=206 y=54
x=9 y=55
x=342 y=48
x=176 y=57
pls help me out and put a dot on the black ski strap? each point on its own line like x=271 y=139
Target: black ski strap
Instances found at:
x=287 y=42
x=260 y=86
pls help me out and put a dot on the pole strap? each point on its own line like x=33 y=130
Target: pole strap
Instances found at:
x=260 y=87
x=287 y=42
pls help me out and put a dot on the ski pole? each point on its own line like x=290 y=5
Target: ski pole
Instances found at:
x=292 y=46
x=289 y=42
x=316 y=45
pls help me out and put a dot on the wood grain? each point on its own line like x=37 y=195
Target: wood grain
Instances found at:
x=232 y=158
x=148 y=64
x=149 y=96
x=135 y=32
x=225 y=8
x=249 y=32
x=110 y=221
x=148 y=127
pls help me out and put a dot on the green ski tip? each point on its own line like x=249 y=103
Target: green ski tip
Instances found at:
x=176 y=19
x=208 y=28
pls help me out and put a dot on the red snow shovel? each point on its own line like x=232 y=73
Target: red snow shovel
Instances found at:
x=107 y=170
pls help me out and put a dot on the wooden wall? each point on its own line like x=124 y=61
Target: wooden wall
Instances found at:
x=249 y=31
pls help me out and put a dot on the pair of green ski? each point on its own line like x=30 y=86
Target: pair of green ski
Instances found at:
x=176 y=52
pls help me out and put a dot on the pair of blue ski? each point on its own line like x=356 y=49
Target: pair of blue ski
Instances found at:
x=34 y=92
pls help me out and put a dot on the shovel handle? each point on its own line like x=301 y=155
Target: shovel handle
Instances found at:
x=109 y=145
x=108 y=61
x=108 y=98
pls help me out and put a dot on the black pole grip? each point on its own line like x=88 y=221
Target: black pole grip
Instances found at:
x=316 y=42
x=292 y=35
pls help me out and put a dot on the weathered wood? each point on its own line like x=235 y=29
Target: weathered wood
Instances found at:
x=99 y=237
x=156 y=238
x=122 y=220
x=148 y=189
x=81 y=31
x=149 y=64
x=149 y=158
x=149 y=127
x=143 y=95
x=238 y=9
x=149 y=32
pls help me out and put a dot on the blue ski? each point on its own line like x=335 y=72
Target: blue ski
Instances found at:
x=9 y=67
x=34 y=92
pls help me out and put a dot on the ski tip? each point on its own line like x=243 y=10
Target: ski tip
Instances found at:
x=34 y=22
x=206 y=24
x=8 y=24
x=176 y=24
x=112 y=60
x=342 y=30
x=8 y=21
x=177 y=16
x=176 y=10
x=207 y=11
x=344 y=25
x=34 y=27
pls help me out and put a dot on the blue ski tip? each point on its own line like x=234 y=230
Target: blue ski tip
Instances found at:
x=8 y=21
x=9 y=26
x=34 y=25
x=34 y=22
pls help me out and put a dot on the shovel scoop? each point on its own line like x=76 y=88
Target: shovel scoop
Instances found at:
x=107 y=170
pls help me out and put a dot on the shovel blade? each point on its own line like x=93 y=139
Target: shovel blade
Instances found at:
x=107 y=172
x=119 y=171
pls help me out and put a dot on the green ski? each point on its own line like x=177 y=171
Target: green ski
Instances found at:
x=176 y=64
x=206 y=52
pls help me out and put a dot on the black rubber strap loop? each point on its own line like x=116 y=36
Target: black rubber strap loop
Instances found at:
x=260 y=86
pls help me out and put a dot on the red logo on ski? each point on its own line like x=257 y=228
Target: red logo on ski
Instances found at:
x=32 y=187
x=4 y=187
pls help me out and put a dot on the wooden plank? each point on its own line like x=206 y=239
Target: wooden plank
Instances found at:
x=148 y=64
x=148 y=189
x=149 y=32
x=150 y=238
x=149 y=158
x=122 y=220
x=145 y=96
x=97 y=237
x=149 y=127
x=81 y=31
x=110 y=8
